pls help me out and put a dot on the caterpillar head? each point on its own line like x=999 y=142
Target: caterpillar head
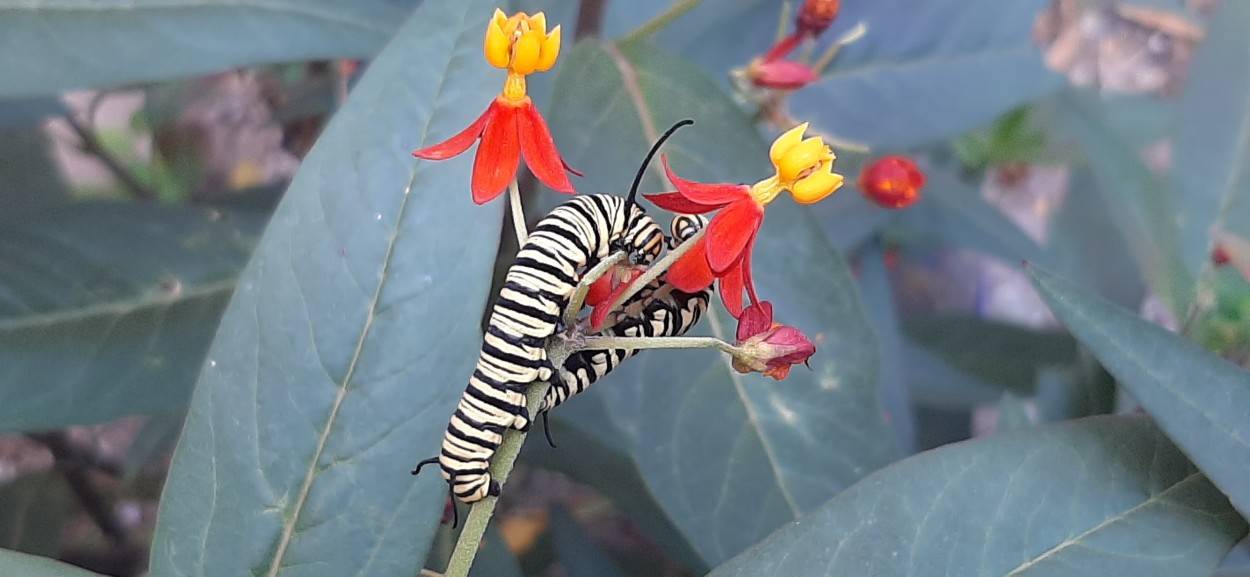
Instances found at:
x=643 y=239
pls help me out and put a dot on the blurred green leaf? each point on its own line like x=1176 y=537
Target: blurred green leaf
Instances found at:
x=107 y=310
x=1106 y=497
x=933 y=381
x=1013 y=413
x=729 y=456
x=1082 y=390
x=953 y=212
x=1140 y=205
x=493 y=558
x=95 y=43
x=24 y=112
x=1211 y=151
x=14 y=563
x=32 y=510
x=350 y=337
x=1086 y=248
x=31 y=180
x=878 y=295
x=1006 y=355
x=592 y=451
x=1012 y=138
x=579 y=556
x=927 y=71
x=157 y=438
x=1202 y=401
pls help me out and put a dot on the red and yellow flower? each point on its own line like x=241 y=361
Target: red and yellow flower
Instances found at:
x=768 y=347
x=804 y=167
x=511 y=127
x=892 y=182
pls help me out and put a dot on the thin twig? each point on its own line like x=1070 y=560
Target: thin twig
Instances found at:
x=589 y=19
x=853 y=35
x=91 y=144
x=643 y=343
x=660 y=21
x=518 y=213
x=579 y=294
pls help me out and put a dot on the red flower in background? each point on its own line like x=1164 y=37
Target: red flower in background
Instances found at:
x=769 y=347
x=892 y=182
x=511 y=127
x=815 y=16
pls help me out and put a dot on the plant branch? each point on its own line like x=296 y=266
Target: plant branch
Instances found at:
x=658 y=268
x=661 y=20
x=518 y=213
x=589 y=19
x=642 y=343
x=91 y=144
x=578 y=299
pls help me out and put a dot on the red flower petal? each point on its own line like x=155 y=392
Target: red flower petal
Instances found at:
x=712 y=195
x=498 y=155
x=600 y=290
x=539 y=149
x=731 y=291
x=675 y=202
x=755 y=319
x=747 y=276
x=460 y=142
x=690 y=273
x=784 y=74
x=729 y=233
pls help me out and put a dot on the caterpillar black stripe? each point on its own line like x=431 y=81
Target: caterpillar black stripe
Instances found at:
x=667 y=312
x=536 y=289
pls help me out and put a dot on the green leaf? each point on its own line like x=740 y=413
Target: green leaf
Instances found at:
x=729 y=456
x=1088 y=249
x=927 y=71
x=156 y=439
x=1200 y=400
x=51 y=47
x=979 y=347
x=14 y=563
x=592 y=451
x=1211 y=150
x=34 y=507
x=877 y=293
x=1106 y=497
x=350 y=337
x=30 y=176
x=1012 y=413
x=107 y=310
x=1139 y=203
x=579 y=555
x=24 y=112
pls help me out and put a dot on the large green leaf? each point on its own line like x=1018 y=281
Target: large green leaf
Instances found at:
x=14 y=563
x=1211 y=151
x=1202 y=401
x=877 y=293
x=107 y=309
x=1106 y=497
x=66 y=44
x=30 y=178
x=1003 y=354
x=729 y=456
x=350 y=337
x=22 y=112
x=1086 y=248
x=1139 y=203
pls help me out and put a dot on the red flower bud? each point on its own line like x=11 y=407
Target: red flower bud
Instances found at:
x=815 y=16
x=767 y=347
x=781 y=74
x=1220 y=256
x=892 y=182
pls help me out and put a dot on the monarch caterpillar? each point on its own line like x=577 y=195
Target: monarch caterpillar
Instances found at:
x=537 y=288
x=668 y=313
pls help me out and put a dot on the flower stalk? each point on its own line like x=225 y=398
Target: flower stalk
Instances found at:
x=518 y=214
x=654 y=271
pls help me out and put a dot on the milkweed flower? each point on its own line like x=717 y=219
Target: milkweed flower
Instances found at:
x=892 y=182
x=804 y=167
x=768 y=347
x=815 y=16
x=511 y=127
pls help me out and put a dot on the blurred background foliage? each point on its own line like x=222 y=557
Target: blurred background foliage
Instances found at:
x=965 y=414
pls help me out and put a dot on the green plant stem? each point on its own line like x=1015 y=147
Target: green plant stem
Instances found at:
x=658 y=268
x=501 y=465
x=658 y=23
x=579 y=294
x=641 y=343
x=851 y=36
x=518 y=213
